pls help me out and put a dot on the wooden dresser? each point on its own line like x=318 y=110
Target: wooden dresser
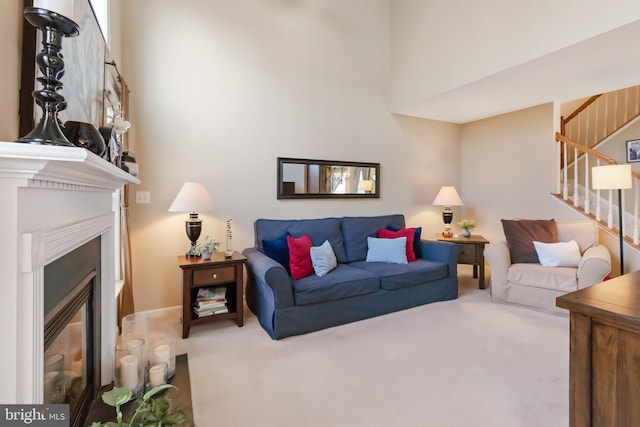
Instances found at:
x=605 y=353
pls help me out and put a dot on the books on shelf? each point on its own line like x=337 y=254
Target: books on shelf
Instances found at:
x=211 y=301
x=210 y=311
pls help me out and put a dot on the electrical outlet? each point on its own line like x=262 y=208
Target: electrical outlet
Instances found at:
x=143 y=197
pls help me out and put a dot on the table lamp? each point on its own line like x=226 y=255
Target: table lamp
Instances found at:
x=447 y=197
x=614 y=177
x=193 y=197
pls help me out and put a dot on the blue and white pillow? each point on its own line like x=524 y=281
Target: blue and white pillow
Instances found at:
x=387 y=250
x=323 y=259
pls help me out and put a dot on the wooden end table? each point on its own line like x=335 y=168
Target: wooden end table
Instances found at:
x=213 y=273
x=604 y=366
x=471 y=253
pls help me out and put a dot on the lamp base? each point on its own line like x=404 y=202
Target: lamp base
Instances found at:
x=190 y=254
x=194 y=227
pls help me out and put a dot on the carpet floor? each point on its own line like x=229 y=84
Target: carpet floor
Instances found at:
x=467 y=362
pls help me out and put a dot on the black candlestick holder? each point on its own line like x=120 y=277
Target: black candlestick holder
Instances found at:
x=54 y=28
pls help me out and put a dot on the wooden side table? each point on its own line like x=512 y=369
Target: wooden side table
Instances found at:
x=471 y=253
x=216 y=272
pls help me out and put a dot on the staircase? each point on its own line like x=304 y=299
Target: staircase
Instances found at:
x=583 y=132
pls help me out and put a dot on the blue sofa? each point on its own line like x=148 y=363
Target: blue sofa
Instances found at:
x=355 y=289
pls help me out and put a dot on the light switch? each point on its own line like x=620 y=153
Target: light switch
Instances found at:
x=143 y=197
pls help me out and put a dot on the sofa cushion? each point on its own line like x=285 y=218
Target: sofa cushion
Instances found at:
x=409 y=233
x=397 y=276
x=278 y=249
x=561 y=254
x=300 y=256
x=323 y=258
x=417 y=243
x=357 y=229
x=520 y=235
x=563 y=279
x=318 y=230
x=342 y=282
x=387 y=250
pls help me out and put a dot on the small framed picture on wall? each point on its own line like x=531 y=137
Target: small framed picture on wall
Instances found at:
x=633 y=151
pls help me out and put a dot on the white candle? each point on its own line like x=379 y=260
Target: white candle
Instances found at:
x=63 y=7
x=157 y=374
x=129 y=371
x=163 y=354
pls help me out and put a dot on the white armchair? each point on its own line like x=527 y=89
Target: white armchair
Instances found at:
x=537 y=286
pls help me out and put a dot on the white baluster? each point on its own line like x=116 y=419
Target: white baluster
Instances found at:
x=598 y=205
x=615 y=114
x=579 y=116
x=595 y=125
x=586 y=184
x=576 y=198
x=586 y=128
x=635 y=211
x=610 y=214
x=606 y=115
x=565 y=188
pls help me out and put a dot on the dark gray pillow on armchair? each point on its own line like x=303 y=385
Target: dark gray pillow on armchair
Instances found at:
x=520 y=234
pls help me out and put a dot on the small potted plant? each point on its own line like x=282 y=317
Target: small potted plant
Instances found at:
x=467 y=225
x=207 y=247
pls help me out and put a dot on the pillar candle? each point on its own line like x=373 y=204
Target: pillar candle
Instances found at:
x=129 y=371
x=163 y=354
x=63 y=7
x=157 y=374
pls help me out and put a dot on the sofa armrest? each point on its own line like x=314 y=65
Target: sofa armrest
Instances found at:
x=594 y=266
x=270 y=274
x=499 y=259
x=445 y=252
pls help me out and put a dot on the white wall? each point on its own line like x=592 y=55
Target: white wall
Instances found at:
x=507 y=170
x=220 y=89
x=441 y=45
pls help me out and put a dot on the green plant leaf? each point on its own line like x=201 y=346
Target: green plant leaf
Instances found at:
x=148 y=395
x=157 y=390
x=117 y=396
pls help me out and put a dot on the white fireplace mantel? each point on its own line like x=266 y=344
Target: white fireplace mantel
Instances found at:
x=57 y=165
x=53 y=200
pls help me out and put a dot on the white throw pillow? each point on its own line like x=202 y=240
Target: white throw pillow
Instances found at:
x=561 y=254
x=323 y=258
x=387 y=250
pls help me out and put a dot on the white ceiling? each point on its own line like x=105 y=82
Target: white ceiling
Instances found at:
x=600 y=64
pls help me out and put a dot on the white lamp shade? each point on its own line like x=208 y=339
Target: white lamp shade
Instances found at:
x=192 y=197
x=611 y=177
x=447 y=196
x=365 y=185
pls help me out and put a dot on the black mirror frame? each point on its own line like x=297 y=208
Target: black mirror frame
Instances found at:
x=282 y=195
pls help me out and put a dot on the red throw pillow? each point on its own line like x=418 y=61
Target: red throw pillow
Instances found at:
x=409 y=233
x=300 y=256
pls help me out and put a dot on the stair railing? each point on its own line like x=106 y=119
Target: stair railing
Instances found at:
x=580 y=177
x=601 y=116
